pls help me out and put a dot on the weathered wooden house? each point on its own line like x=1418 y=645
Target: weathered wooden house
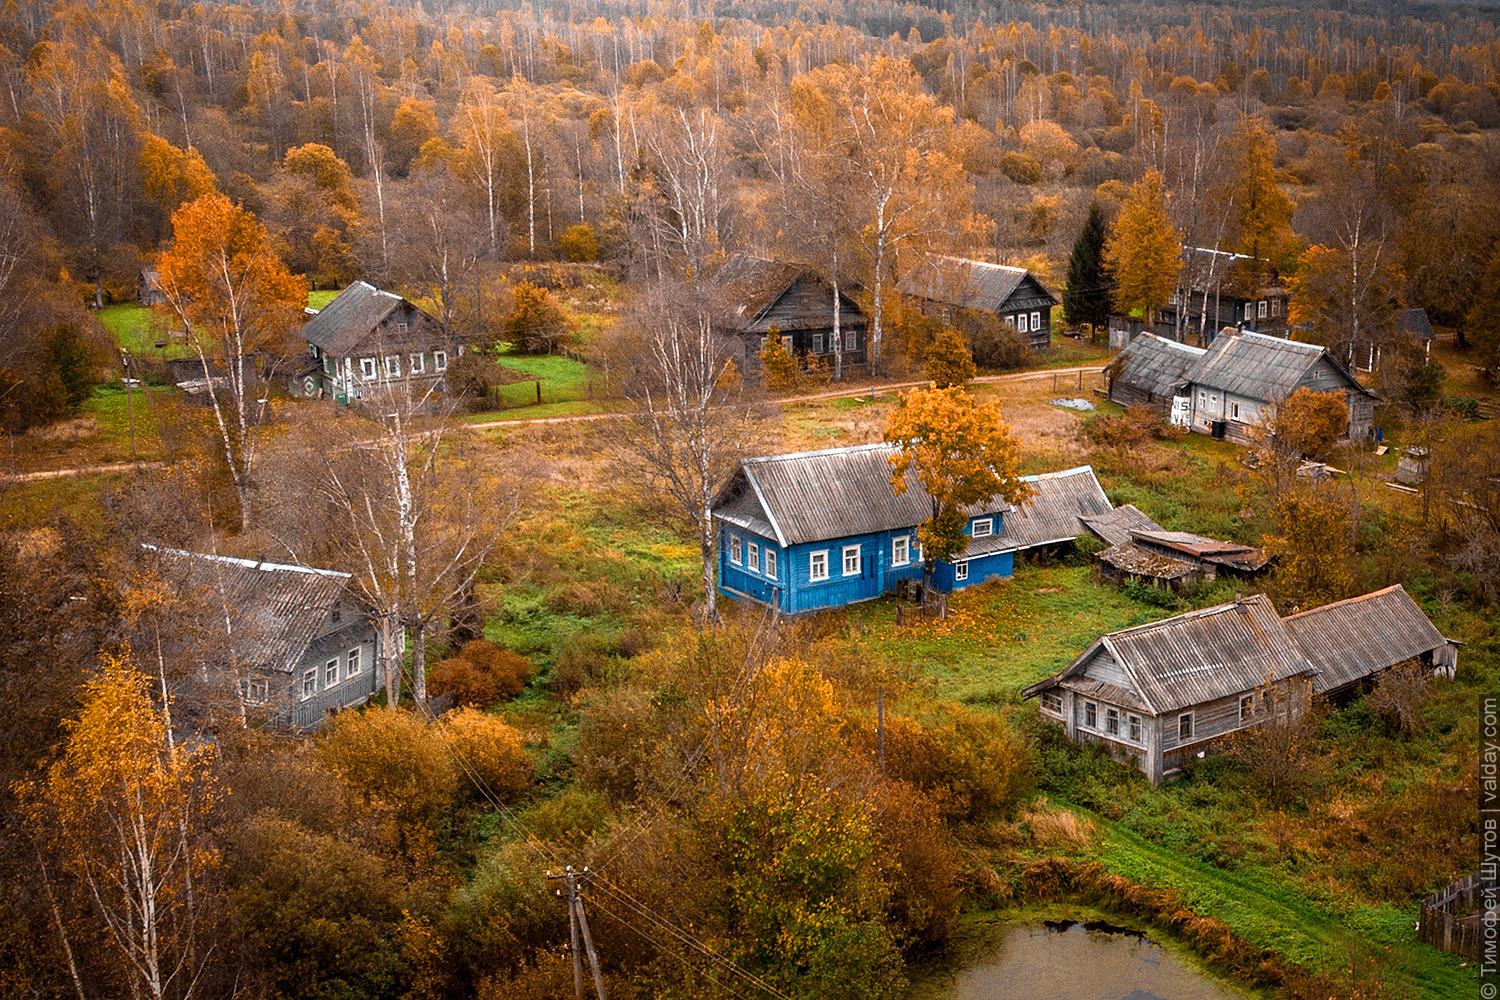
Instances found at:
x=1161 y=694
x=1350 y=642
x=759 y=295
x=823 y=529
x=368 y=340
x=1012 y=294
x=1231 y=389
x=148 y=288
x=1207 y=301
x=300 y=644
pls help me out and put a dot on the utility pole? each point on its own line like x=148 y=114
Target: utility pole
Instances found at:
x=577 y=922
x=129 y=400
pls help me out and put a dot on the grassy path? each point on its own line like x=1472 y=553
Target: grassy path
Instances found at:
x=1277 y=916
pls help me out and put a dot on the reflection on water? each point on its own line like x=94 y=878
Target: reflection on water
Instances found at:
x=1074 y=961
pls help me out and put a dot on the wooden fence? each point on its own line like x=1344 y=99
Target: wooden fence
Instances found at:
x=1452 y=918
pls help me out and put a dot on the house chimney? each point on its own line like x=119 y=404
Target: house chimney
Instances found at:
x=1237 y=597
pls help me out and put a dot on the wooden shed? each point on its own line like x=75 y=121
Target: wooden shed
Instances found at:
x=1152 y=371
x=1351 y=641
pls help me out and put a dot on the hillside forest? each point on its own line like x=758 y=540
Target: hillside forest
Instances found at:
x=835 y=806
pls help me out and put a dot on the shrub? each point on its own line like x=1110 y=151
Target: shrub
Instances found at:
x=538 y=323
x=779 y=365
x=995 y=343
x=920 y=866
x=574 y=816
x=391 y=757
x=1399 y=696
x=481 y=674
x=1021 y=167
x=492 y=752
x=579 y=244
x=948 y=360
x=1057 y=829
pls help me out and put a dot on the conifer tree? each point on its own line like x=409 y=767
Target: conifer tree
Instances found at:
x=1144 y=250
x=1087 y=297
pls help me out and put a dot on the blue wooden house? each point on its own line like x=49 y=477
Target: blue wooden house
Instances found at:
x=822 y=529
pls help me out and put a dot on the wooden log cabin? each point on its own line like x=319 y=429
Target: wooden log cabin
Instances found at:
x=1012 y=294
x=757 y=296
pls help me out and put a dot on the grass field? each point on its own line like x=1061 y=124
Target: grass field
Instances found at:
x=318 y=298
x=140 y=328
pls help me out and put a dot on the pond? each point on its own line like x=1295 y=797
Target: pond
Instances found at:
x=1069 y=960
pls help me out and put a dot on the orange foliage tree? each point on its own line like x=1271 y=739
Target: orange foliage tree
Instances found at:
x=961 y=453
x=235 y=296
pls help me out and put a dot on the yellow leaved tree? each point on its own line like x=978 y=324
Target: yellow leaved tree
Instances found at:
x=1144 y=250
x=235 y=297
x=962 y=453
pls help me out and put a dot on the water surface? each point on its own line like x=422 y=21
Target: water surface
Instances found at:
x=1078 y=961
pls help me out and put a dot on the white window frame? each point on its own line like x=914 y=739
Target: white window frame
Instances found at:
x=736 y=550
x=1185 y=732
x=961 y=570
x=1112 y=721
x=1021 y=323
x=418 y=365
x=771 y=563
x=1249 y=310
x=817 y=566
x=857 y=554
x=368 y=369
x=256 y=690
x=309 y=683
x=752 y=558
x=1090 y=716
x=352 y=665
x=901 y=550
x=331 y=670
x=1260 y=309
x=1036 y=321
x=983 y=527
x=1234 y=410
x=330 y=365
x=851 y=340
x=393 y=366
x=439 y=361
x=1275 y=307
x=817 y=343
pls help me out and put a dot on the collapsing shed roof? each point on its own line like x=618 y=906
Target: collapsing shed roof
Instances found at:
x=1350 y=640
x=1115 y=526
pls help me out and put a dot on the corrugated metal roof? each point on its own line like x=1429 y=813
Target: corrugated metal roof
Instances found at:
x=1261 y=367
x=1154 y=364
x=1350 y=640
x=813 y=496
x=1055 y=512
x=1115 y=526
x=1189 y=543
x=1205 y=655
x=356 y=311
x=276 y=608
x=1416 y=323
x=970 y=284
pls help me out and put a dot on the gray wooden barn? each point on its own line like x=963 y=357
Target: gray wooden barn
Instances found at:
x=1012 y=294
x=369 y=341
x=759 y=295
x=1352 y=641
x=300 y=643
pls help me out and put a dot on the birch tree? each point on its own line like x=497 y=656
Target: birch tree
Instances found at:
x=233 y=296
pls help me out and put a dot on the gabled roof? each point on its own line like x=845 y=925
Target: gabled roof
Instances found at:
x=1258 y=366
x=1416 y=323
x=750 y=287
x=1115 y=526
x=277 y=608
x=357 y=310
x=1197 y=657
x=814 y=496
x=1055 y=512
x=1350 y=640
x=1155 y=364
x=971 y=284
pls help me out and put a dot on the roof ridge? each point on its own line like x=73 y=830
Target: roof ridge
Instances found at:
x=1217 y=609
x=258 y=564
x=1350 y=600
x=1077 y=470
x=846 y=450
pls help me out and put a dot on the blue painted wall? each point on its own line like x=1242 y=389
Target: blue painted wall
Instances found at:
x=794 y=591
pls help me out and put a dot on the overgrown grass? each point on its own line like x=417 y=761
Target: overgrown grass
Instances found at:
x=140 y=328
x=320 y=297
x=562 y=379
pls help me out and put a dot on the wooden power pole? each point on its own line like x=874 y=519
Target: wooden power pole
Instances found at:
x=579 y=923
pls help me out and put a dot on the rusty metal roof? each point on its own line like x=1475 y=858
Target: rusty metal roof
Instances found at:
x=1189 y=544
x=1055 y=512
x=1350 y=640
x=1155 y=364
x=275 y=609
x=1115 y=526
x=1261 y=367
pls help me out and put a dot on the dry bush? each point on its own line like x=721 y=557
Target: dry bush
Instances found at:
x=482 y=673
x=492 y=752
x=1278 y=754
x=391 y=757
x=618 y=742
x=1399 y=696
x=920 y=863
x=1057 y=829
x=971 y=767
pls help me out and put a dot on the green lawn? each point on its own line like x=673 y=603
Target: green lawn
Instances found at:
x=322 y=296
x=140 y=328
x=568 y=387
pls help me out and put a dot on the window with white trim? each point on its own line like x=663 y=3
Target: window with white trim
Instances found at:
x=439 y=361
x=851 y=340
x=752 y=560
x=983 y=527
x=1275 y=307
x=1185 y=726
x=1036 y=321
x=817 y=565
x=401 y=328
x=961 y=570
x=851 y=560
x=1090 y=715
x=352 y=666
x=1249 y=310
x=256 y=691
x=771 y=563
x=330 y=365
x=366 y=368
x=736 y=550
x=817 y=343
x=1112 y=721
x=309 y=682
x=392 y=365
x=331 y=673
x=417 y=365
x=901 y=551
x=1052 y=702
x=1260 y=309
x=1234 y=410
x=1021 y=322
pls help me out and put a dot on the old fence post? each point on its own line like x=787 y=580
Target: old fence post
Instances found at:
x=539 y=392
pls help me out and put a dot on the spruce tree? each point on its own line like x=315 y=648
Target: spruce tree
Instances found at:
x=1087 y=297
